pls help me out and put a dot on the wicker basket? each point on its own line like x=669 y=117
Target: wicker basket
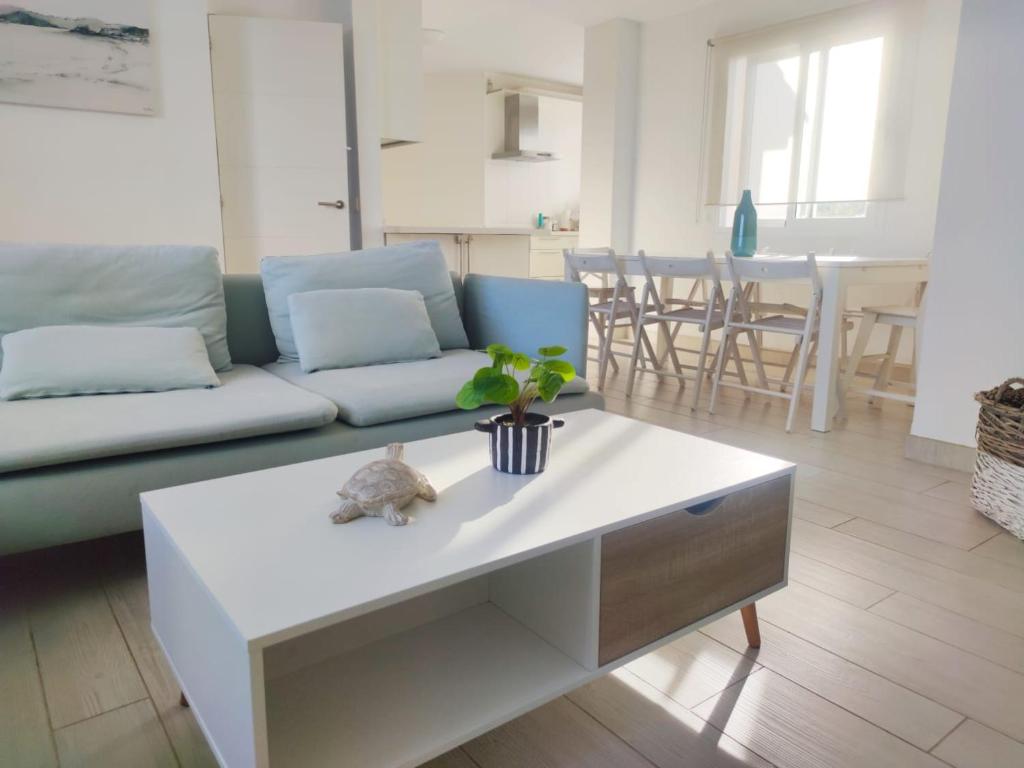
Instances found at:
x=997 y=489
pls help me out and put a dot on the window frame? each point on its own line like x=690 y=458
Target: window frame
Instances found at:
x=804 y=50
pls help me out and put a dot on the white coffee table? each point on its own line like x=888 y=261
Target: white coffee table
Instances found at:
x=299 y=642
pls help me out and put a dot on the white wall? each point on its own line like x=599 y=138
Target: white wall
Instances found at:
x=77 y=176
x=974 y=311
x=516 y=192
x=70 y=176
x=450 y=179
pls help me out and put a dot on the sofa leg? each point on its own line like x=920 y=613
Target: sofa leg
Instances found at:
x=182 y=700
x=749 y=614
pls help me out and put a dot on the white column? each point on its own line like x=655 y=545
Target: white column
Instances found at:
x=610 y=106
x=973 y=311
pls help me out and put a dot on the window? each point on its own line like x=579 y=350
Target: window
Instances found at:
x=811 y=116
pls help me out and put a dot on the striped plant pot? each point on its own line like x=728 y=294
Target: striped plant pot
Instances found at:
x=520 y=450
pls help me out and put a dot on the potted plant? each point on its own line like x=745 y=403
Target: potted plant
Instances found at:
x=520 y=440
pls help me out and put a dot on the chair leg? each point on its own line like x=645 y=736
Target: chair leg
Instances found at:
x=867 y=323
x=790 y=365
x=701 y=360
x=741 y=370
x=595 y=321
x=670 y=352
x=798 y=382
x=726 y=341
x=755 y=352
x=606 y=352
x=649 y=348
x=633 y=361
x=601 y=324
x=844 y=346
x=882 y=380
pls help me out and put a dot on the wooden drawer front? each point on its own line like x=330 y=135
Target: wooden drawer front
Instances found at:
x=668 y=573
x=547 y=264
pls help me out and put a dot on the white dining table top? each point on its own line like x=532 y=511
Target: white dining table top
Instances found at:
x=832 y=260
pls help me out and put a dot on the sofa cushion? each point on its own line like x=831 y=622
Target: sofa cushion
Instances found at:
x=377 y=394
x=156 y=285
x=249 y=402
x=418 y=266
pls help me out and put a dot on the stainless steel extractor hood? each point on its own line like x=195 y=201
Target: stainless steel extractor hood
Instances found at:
x=522 y=117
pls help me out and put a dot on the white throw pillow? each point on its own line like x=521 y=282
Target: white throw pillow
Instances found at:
x=58 y=360
x=346 y=328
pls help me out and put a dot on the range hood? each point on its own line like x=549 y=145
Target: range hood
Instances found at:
x=522 y=118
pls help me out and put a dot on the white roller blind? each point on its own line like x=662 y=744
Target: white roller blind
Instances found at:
x=814 y=111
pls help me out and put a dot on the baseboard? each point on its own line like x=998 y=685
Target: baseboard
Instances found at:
x=940 y=453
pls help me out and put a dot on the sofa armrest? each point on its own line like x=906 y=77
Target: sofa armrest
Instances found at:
x=527 y=314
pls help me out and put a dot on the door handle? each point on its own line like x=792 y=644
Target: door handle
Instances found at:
x=339 y=204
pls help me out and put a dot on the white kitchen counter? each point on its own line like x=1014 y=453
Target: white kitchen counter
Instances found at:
x=407 y=230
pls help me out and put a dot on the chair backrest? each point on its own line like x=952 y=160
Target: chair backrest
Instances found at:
x=592 y=261
x=766 y=269
x=696 y=267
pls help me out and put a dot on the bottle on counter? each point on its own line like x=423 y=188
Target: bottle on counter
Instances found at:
x=565 y=221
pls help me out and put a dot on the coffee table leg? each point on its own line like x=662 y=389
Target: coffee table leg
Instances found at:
x=749 y=614
x=182 y=700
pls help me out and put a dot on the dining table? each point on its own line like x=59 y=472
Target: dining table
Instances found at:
x=838 y=273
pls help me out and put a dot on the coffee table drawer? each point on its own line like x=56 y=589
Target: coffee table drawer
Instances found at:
x=665 y=574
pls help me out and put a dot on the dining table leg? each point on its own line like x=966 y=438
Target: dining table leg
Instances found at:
x=826 y=376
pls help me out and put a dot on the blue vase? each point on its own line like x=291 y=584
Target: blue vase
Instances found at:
x=744 y=227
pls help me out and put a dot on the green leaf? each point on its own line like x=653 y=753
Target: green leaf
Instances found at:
x=495 y=386
x=551 y=351
x=494 y=350
x=520 y=361
x=469 y=398
x=548 y=385
x=563 y=368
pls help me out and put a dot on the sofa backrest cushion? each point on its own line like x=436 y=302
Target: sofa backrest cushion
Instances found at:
x=418 y=266
x=149 y=285
x=250 y=336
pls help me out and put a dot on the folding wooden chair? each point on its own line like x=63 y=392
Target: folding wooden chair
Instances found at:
x=898 y=318
x=607 y=312
x=746 y=272
x=707 y=315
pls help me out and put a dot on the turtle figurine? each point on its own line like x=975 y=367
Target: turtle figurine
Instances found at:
x=382 y=488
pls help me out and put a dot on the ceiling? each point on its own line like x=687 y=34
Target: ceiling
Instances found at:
x=537 y=38
x=587 y=12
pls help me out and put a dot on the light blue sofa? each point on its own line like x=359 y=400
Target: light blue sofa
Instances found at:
x=72 y=468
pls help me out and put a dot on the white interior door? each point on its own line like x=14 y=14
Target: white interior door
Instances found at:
x=279 y=103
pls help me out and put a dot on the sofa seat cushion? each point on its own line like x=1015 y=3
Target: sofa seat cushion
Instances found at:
x=38 y=433
x=376 y=394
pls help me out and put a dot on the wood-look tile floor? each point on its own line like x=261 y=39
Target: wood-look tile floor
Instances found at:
x=899 y=642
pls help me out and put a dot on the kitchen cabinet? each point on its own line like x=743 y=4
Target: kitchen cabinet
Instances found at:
x=400 y=69
x=504 y=253
x=546 y=259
